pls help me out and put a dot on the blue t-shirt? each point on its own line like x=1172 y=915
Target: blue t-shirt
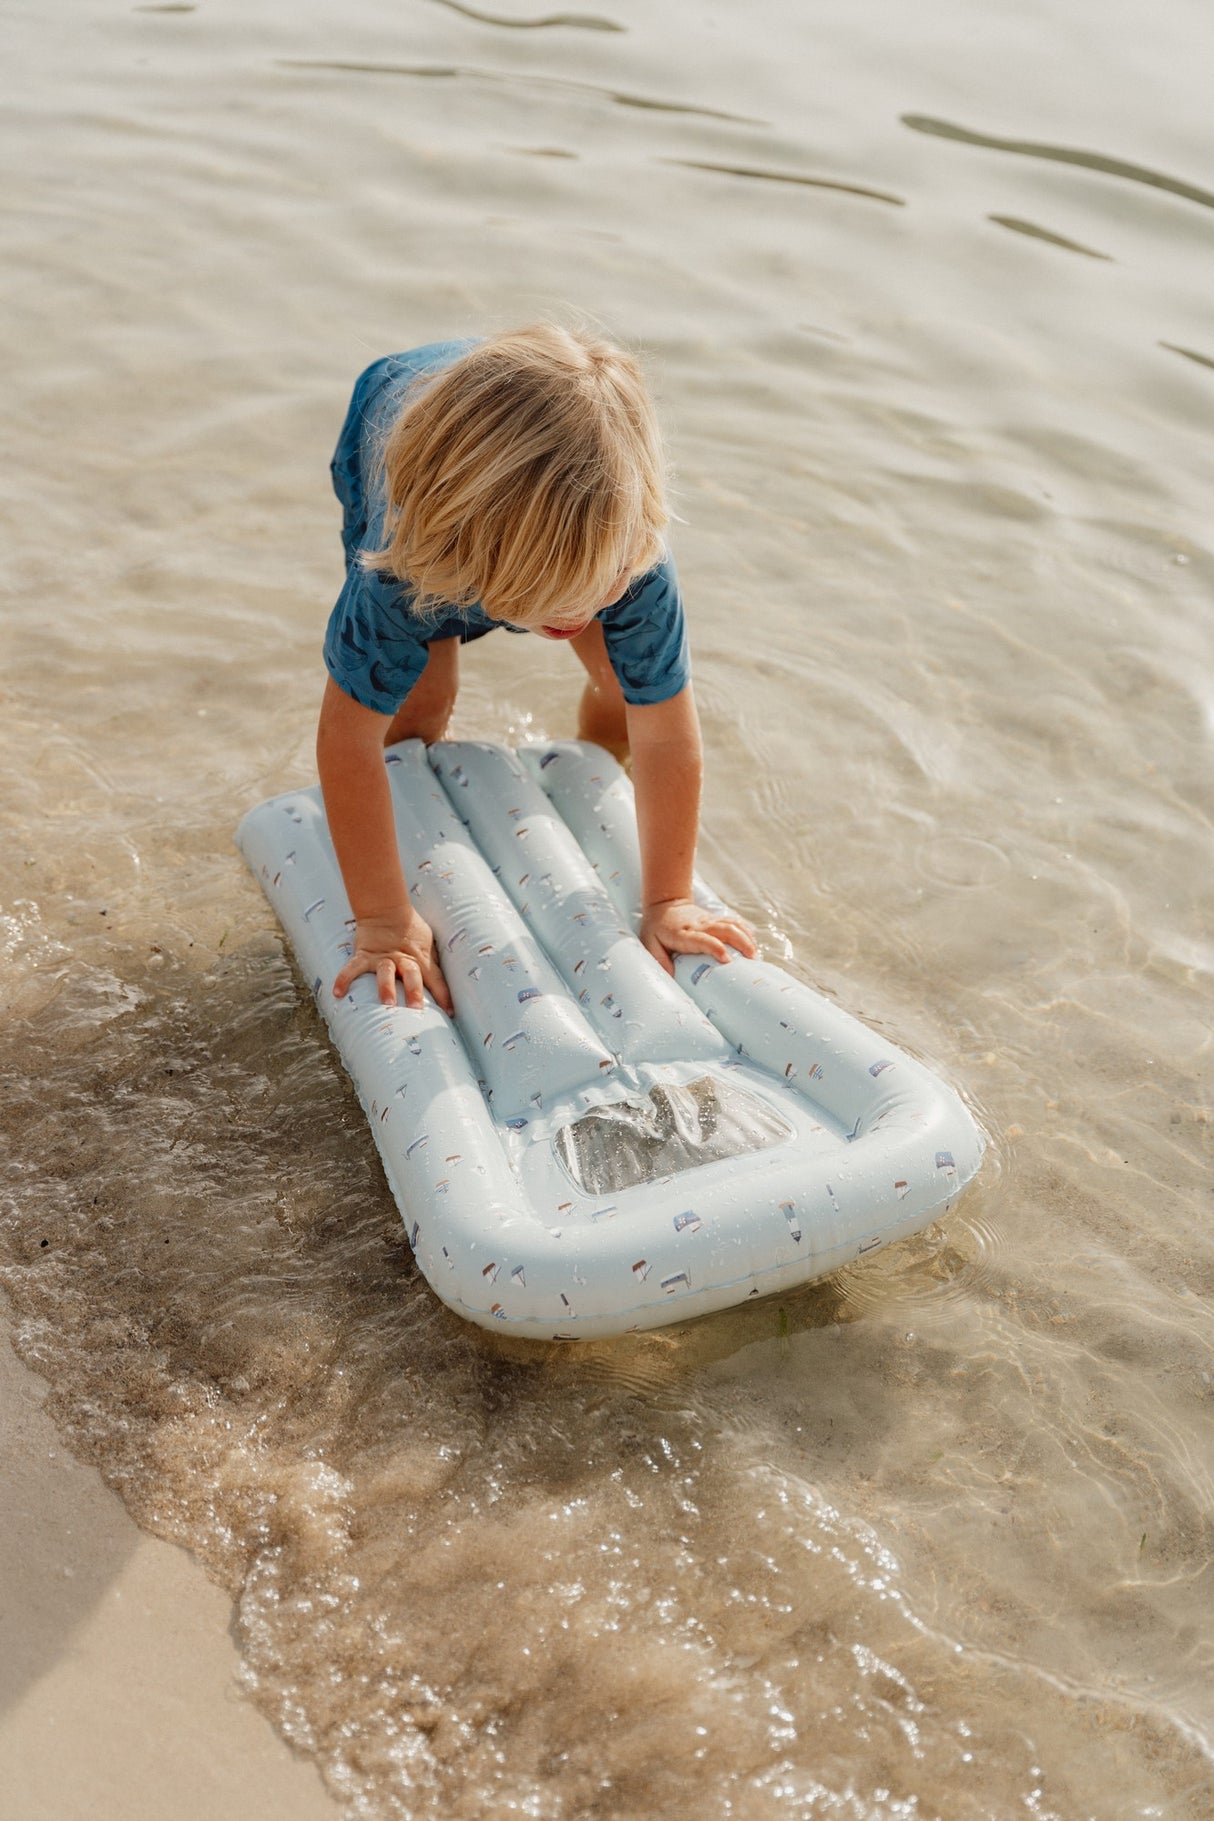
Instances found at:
x=376 y=645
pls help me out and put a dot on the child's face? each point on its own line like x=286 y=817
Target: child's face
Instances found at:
x=559 y=632
x=580 y=624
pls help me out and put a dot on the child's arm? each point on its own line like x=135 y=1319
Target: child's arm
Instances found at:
x=391 y=938
x=667 y=772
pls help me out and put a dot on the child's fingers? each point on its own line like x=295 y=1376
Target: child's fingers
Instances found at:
x=388 y=968
x=660 y=953
x=349 y=974
x=701 y=942
x=729 y=920
x=437 y=987
x=695 y=941
x=415 y=975
x=738 y=934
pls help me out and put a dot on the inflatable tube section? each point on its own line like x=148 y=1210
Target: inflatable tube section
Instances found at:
x=589 y=1148
x=636 y=1009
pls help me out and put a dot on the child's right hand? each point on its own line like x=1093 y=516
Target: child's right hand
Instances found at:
x=392 y=949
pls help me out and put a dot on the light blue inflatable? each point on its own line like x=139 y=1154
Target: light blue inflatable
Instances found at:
x=590 y=1147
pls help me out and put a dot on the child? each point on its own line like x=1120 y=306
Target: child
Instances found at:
x=513 y=482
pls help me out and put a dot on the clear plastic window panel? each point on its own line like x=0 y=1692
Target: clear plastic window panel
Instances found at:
x=674 y=1128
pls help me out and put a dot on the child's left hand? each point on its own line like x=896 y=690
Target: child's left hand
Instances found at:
x=681 y=927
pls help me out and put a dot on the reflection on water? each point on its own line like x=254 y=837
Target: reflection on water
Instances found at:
x=934 y=1537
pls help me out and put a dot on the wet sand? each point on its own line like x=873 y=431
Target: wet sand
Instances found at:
x=119 y=1683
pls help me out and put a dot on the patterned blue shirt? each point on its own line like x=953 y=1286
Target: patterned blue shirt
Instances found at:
x=377 y=643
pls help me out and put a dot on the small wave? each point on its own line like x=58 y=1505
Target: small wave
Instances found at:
x=1062 y=154
x=1019 y=226
x=586 y=22
x=524 y=79
x=959 y=1258
x=539 y=151
x=961 y=862
x=1203 y=360
x=763 y=175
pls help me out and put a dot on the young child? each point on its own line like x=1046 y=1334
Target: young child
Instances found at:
x=515 y=482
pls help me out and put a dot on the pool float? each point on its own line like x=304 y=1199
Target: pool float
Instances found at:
x=590 y=1147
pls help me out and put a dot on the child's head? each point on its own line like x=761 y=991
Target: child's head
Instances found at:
x=527 y=476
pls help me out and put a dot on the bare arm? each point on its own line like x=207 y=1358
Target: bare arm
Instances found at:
x=391 y=938
x=667 y=771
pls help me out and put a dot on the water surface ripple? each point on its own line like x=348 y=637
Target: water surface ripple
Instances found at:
x=759 y=174
x=522 y=79
x=1019 y=226
x=587 y=22
x=1061 y=154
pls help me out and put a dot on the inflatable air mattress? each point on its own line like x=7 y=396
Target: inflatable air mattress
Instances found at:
x=590 y=1147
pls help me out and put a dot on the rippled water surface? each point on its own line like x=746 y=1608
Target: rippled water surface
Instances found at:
x=925 y=295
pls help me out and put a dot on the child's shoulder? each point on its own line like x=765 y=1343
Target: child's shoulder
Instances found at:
x=380 y=389
x=394 y=370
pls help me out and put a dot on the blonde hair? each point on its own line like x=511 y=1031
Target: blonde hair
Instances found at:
x=528 y=477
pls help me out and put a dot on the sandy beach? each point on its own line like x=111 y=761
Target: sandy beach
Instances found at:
x=119 y=1692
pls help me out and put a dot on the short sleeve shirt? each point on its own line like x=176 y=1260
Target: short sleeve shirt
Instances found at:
x=377 y=643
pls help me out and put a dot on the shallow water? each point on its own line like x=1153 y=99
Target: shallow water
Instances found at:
x=925 y=302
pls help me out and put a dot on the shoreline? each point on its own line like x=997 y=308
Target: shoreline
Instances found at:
x=118 y=1689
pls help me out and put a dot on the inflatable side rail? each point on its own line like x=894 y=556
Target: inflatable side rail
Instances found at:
x=589 y=1147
